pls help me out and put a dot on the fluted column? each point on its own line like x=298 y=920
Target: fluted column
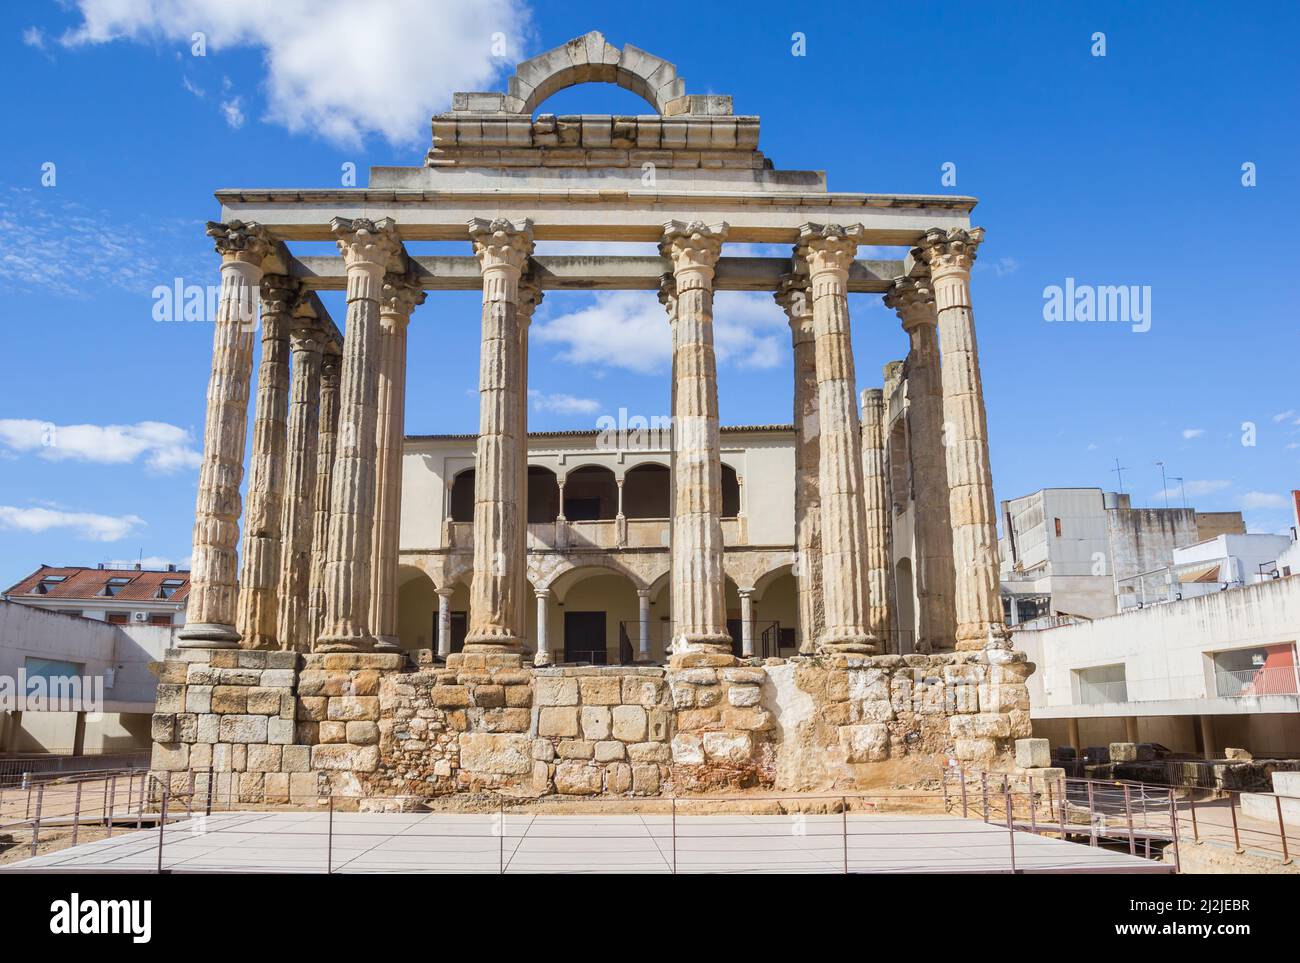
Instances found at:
x=698 y=600
x=326 y=447
x=530 y=296
x=369 y=249
x=950 y=255
x=877 y=511
x=401 y=293
x=210 y=617
x=796 y=299
x=913 y=300
x=259 y=576
x=829 y=250
x=298 y=516
x=496 y=602
x=643 y=625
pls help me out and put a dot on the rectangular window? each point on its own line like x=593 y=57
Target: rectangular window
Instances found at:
x=117 y=618
x=169 y=587
x=157 y=619
x=115 y=585
x=1101 y=683
x=1058 y=528
x=1257 y=671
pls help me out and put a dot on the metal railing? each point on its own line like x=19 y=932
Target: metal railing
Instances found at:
x=65 y=809
x=1246 y=683
x=22 y=768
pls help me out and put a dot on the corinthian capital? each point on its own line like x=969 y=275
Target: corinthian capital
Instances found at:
x=530 y=296
x=400 y=294
x=280 y=293
x=794 y=296
x=913 y=300
x=668 y=295
x=694 y=246
x=950 y=251
x=500 y=243
x=828 y=247
x=240 y=240
x=363 y=241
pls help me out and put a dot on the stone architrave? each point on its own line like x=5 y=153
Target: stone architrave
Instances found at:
x=299 y=514
x=980 y=623
x=400 y=296
x=697 y=586
x=213 y=598
x=796 y=299
x=259 y=579
x=913 y=300
x=496 y=604
x=370 y=249
x=828 y=250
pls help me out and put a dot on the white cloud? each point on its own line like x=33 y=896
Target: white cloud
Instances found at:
x=562 y=404
x=88 y=525
x=1194 y=488
x=337 y=68
x=1284 y=415
x=1190 y=433
x=630 y=330
x=1005 y=265
x=1256 y=500
x=165 y=448
x=149 y=561
x=34 y=37
x=193 y=88
x=233 y=112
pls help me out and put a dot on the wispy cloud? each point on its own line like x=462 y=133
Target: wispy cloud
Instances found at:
x=1189 y=433
x=338 y=69
x=164 y=448
x=233 y=112
x=1194 y=488
x=34 y=37
x=562 y=404
x=1256 y=500
x=88 y=525
x=148 y=561
x=630 y=330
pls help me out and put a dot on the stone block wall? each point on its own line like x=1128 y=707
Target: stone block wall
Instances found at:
x=278 y=727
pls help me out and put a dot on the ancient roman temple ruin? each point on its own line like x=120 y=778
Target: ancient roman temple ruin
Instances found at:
x=295 y=674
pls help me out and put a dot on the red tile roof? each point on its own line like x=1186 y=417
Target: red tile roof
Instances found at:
x=88 y=583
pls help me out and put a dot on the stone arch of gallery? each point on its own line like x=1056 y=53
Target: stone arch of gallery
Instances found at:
x=730 y=492
x=594 y=616
x=590 y=494
x=543 y=495
x=647 y=491
x=417 y=608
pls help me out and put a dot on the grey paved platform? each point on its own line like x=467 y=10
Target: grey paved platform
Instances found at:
x=279 y=842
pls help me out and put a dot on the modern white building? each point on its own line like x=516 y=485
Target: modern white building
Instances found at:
x=1072 y=554
x=123 y=596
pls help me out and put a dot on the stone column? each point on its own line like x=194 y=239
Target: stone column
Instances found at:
x=210 y=617
x=401 y=294
x=496 y=603
x=293 y=625
x=829 y=250
x=543 y=656
x=698 y=600
x=444 y=621
x=643 y=624
x=259 y=577
x=369 y=249
x=746 y=623
x=530 y=296
x=794 y=296
x=950 y=255
x=331 y=368
x=913 y=300
x=877 y=511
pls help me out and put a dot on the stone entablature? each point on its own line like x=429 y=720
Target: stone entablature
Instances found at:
x=359 y=724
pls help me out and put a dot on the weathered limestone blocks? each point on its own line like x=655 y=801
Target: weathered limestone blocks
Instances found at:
x=722 y=728
x=231 y=711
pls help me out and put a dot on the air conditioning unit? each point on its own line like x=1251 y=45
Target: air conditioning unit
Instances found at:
x=140 y=616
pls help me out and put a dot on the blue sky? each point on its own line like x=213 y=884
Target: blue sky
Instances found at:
x=1123 y=169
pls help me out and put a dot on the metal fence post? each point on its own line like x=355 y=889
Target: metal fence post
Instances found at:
x=1281 y=825
x=844 y=829
x=1173 y=819
x=962 y=770
x=1033 y=808
x=984 y=793
x=1128 y=814
x=1236 y=833
x=1011 y=825
x=501 y=840
x=36 y=825
x=1092 y=815
x=162 y=823
x=1191 y=804
x=112 y=802
x=208 y=809
x=674 y=834
x=76 y=814
x=329 y=840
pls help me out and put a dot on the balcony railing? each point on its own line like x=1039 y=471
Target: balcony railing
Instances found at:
x=1248 y=683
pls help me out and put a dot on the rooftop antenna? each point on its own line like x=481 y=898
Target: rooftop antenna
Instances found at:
x=1164 y=485
x=1119 y=471
x=1182 y=492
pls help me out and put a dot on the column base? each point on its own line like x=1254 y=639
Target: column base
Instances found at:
x=345 y=643
x=975 y=638
x=208 y=635
x=705 y=649
x=848 y=644
x=491 y=643
x=387 y=643
x=543 y=659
